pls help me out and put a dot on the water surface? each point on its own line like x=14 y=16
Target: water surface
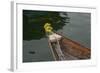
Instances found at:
x=79 y=29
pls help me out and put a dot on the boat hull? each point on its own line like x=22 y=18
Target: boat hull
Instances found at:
x=71 y=49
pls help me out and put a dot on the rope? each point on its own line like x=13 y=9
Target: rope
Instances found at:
x=59 y=51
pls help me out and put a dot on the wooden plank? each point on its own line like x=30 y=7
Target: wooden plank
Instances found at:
x=70 y=49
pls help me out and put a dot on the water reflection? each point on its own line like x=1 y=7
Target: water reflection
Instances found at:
x=79 y=29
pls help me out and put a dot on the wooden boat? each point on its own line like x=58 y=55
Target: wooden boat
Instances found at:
x=69 y=49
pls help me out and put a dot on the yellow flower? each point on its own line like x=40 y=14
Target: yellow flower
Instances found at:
x=47 y=24
x=48 y=28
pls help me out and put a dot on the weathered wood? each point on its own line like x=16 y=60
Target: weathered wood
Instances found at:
x=75 y=49
x=71 y=49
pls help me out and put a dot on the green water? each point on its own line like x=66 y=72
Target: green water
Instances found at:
x=79 y=29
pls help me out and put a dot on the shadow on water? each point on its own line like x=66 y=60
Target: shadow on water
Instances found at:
x=33 y=23
x=32 y=52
